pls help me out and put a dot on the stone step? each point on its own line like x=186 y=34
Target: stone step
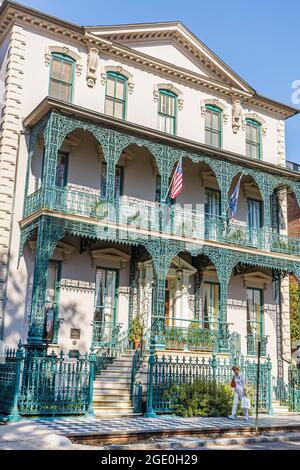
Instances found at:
x=120 y=362
x=111 y=386
x=126 y=408
x=113 y=378
x=116 y=404
x=115 y=392
x=116 y=372
x=119 y=367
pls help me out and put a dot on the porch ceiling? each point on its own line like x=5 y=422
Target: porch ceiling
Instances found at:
x=50 y=104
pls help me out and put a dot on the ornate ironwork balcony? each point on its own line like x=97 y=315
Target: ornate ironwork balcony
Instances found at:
x=252 y=344
x=149 y=216
x=198 y=335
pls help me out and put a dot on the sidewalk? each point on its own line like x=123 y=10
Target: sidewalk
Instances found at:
x=55 y=433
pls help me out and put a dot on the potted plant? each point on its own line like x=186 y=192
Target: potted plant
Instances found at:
x=175 y=338
x=136 y=331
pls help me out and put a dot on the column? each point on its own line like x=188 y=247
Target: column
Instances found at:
x=48 y=235
x=185 y=300
x=51 y=137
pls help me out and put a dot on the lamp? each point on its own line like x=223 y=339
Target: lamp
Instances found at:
x=179 y=272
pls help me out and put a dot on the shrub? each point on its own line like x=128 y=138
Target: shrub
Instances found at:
x=200 y=399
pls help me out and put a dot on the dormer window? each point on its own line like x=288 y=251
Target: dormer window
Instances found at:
x=213 y=126
x=167 y=105
x=253 y=139
x=61 y=77
x=115 y=95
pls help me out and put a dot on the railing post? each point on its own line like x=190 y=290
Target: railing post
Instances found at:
x=92 y=360
x=14 y=414
x=214 y=367
x=270 y=388
x=150 y=413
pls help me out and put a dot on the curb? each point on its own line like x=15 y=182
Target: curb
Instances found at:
x=193 y=443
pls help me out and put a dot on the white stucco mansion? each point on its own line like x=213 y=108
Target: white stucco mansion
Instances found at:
x=93 y=123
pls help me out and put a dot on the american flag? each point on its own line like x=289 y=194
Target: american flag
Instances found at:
x=177 y=181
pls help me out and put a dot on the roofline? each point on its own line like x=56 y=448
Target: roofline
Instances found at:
x=10 y=3
x=48 y=104
x=84 y=32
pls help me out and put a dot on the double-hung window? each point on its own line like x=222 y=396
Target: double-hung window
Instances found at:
x=115 y=95
x=213 y=131
x=254 y=312
x=61 y=77
x=211 y=305
x=253 y=139
x=167 y=103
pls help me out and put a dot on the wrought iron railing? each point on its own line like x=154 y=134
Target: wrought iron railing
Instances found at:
x=252 y=344
x=166 y=372
x=140 y=214
x=105 y=334
x=135 y=387
x=107 y=354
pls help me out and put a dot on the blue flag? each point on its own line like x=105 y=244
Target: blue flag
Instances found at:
x=234 y=197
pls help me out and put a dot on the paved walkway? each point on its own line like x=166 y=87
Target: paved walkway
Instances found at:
x=140 y=425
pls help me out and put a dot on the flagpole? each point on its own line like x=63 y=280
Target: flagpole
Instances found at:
x=172 y=179
x=231 y=195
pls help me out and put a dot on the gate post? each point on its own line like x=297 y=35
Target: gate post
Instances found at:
x=270 y=389
x=14 y=414
x=150 y=413
x=92 y=360
x=214 y=367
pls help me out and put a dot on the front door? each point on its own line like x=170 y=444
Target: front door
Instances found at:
x=105 y=315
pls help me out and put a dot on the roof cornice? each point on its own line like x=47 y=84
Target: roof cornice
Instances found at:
x=48 y=104
x=12 y=12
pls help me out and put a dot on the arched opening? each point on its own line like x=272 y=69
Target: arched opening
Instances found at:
x=285 y=220
x=196 y=212
x=245 y=212
x=192 y=304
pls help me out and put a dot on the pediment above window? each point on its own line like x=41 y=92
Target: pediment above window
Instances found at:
x=62 y=251
x=257 y=118
x=109 y=257
x=67 y=51
x=256 y=279
x=218 y=104
x=169 y=87
x=122 y=71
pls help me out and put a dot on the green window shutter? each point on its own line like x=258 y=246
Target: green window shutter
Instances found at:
x=253 y=139
x=167 y=111
x=61 y=81
x=115 y=95
x=213 y=126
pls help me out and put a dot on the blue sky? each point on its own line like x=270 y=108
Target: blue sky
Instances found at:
x=259 y=39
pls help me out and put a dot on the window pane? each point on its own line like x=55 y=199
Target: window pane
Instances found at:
x=215 y=121
x=51 y=283
x=208 y=137
x=118 y=110
x=215 y=139
x=109 y=107
x=54 y=89
x=110 y=86
x=61 y=170
x=67 y=69
x=56 y=68
x=120 y=89
x=208 y=118
x=65 y=92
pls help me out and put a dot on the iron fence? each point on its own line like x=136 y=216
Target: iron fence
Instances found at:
x=165 y=372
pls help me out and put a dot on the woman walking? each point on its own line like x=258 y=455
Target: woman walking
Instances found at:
x=238 y=383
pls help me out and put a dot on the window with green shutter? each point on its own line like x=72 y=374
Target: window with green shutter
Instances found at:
x=213 y=127
x=167 y=103
x=61 y=77
x=115 y=95
x=253 y=139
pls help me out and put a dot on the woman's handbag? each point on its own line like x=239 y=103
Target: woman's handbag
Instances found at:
x=245 y=403
x=233 y=385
